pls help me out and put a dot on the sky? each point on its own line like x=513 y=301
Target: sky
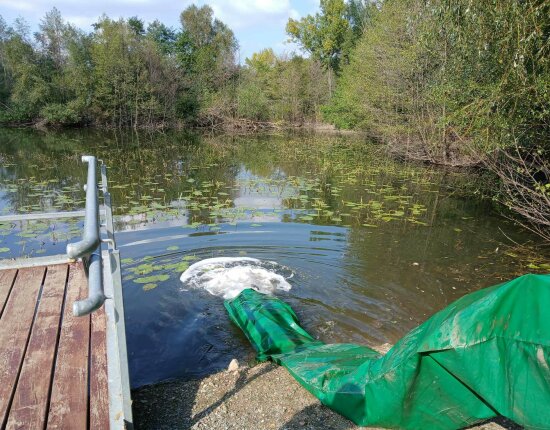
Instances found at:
x=257 y=24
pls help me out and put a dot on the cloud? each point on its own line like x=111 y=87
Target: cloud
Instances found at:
x=261 y=6
x=22 y=6
x=81 y=21
x=250 y=13
x=294 y=14
x=250 y=7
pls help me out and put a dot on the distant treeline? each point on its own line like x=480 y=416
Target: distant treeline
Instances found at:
x=125 y=73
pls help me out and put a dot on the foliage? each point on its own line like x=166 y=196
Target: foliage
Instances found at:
x=287 y=89
x=447 y=73
x=330 y=34
x=374 y=90
x=127 y=73
x=454 y=82
x=60 y=114
x=323 y=34
x=253 y=102
x=206 y=47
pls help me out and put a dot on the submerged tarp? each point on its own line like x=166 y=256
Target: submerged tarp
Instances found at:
x=486 y=354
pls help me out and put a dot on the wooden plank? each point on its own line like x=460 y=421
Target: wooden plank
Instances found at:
x=15 y=328
x=69 y=398
x=31 y=399
x=99 y=392
x=7 y=278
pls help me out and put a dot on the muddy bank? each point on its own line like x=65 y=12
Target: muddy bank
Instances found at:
x=252 y=398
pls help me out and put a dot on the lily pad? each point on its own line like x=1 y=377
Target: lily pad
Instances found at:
x=152 y=279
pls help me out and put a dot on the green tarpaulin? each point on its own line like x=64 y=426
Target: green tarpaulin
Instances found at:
x=486 y=354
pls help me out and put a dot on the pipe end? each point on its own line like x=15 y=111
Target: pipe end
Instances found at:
x=85 y=307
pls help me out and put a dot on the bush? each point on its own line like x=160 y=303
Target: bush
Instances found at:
x=16 y=114
x=59 y=114
x=252 y=102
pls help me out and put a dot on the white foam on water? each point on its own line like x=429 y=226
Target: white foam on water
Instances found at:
x=227 y=276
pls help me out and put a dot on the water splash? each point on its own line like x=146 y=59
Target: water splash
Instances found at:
x=227 y=276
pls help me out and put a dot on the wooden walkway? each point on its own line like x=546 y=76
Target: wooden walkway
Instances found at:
x=53 y=365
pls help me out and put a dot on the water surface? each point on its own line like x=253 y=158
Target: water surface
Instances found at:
x=374 y=246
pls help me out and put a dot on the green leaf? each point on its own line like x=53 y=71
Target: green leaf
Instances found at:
x=152 y=279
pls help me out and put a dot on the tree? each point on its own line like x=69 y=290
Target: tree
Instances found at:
x=129 y=76
x=136 y=25
x=359 y=14
x=205 y=50
x=280 y=88
x=25 y=79
x=164 y=36
x=323 y=35
x=330 y=35
x=51 y=38
x=206 y=45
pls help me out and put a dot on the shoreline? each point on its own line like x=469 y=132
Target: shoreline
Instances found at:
x=262 y=397
x=237 y=125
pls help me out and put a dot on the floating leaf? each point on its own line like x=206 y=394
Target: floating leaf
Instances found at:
x=182 y=266
x=173 y=248
x=152 y=279
x=148 y=287
x=143 y=269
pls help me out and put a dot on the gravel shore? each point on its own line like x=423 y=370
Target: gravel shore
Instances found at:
x=263 y=397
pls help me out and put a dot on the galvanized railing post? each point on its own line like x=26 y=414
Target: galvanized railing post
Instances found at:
x=90 y=245
x=90 y=238
x=108 y=207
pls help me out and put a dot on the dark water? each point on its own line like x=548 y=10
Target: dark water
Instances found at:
x=376 y=246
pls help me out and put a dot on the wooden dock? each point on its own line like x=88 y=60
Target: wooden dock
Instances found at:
x=53 y=365
x=63 y=359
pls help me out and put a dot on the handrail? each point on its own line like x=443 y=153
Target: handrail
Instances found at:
x=90 y=242
x=96 y=297
x=33 y=216
x=90 y=238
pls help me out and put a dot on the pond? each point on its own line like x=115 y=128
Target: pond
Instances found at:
x=370 y=246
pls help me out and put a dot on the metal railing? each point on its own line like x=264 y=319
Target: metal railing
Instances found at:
x=104 y=282
x=89 y=248
x=100 y=289
x=90 y=237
